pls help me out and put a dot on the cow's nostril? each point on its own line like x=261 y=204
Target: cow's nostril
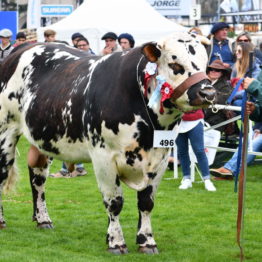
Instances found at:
x=209 y=93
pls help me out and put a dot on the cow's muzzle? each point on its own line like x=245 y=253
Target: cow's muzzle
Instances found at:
x=208 y=93
x=190 y=82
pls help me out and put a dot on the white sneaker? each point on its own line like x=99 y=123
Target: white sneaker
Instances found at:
x=185 y=184
x=209 y=186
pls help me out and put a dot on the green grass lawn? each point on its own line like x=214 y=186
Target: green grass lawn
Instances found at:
x=189 y=226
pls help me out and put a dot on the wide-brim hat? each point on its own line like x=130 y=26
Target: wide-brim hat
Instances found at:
x=218 y=64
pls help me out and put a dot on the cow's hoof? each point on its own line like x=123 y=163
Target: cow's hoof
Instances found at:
x=45 y=225
x=148 y=250
x=119 y=250
x=2 y=225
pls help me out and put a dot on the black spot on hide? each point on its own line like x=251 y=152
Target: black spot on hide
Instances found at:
x=192 y=50
x=140 y=239
x=145 y=202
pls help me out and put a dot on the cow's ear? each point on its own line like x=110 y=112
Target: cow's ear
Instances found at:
x=151 y=52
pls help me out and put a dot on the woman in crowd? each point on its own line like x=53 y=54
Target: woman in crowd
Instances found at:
x=192 y=129
x=219 y=76
x=243 y=69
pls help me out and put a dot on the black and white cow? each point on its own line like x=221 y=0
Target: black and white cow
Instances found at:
x=70 y=106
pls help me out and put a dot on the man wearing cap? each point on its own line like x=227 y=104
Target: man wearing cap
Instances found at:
x=6 y=46
x=221 y=46
x=111 y=44
x=20 y=38
x=75 y=37
x=126 y=41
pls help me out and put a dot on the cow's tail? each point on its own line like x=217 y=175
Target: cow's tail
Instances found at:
x=12 y=179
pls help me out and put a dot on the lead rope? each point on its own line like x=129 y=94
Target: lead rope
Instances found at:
x=141 y=93
x=242 y=179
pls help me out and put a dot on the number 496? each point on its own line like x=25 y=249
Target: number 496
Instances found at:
x=166 y=142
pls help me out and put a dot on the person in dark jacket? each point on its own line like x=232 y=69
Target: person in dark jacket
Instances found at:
x=219 y=76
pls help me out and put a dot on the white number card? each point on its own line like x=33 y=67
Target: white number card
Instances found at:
x=163 y=138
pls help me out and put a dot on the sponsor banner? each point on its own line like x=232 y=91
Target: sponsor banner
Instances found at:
x=56 y=10
x=9 y=20
x=33 y=14
x=172 y=7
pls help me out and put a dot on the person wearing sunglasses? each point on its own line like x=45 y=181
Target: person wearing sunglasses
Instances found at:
x=219 y=76
x=246 y=38
x=242 y=69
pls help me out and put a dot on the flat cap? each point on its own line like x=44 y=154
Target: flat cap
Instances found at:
x=6 y=33
x=218 y=26
x=110 y=35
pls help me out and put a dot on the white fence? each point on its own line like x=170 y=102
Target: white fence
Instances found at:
x=192 y=156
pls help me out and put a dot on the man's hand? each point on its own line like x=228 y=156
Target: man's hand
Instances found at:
x=107 y=50
x=250 y=107
x=247 y=82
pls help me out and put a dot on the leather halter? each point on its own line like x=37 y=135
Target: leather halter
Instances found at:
x=192 y=80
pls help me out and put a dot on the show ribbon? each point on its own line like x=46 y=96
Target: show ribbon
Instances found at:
x=156 y=96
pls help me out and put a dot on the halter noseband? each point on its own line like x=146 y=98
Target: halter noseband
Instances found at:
x=192 y=80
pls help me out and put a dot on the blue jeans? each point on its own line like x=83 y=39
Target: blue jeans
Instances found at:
x=257 y=147
x=64 y=168
x=196 y=137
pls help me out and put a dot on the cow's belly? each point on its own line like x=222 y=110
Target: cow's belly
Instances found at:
x=61 y=149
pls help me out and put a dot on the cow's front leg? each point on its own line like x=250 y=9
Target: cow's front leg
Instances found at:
x=145 y=238
x=38 y=166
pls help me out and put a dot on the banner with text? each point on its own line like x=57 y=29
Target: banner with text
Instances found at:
x=172 y=7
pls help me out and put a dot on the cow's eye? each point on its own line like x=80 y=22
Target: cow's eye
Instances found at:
x=176 y=67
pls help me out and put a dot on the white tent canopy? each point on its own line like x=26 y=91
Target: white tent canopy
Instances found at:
x=94 y=18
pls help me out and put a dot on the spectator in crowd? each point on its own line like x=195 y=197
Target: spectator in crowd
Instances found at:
x=195 y=30
x=242 y=68
x=75 y=37
x=5 y=46
x=219 y=76
x=220 y=47
x=50 y=35
x=78 y=170
x=20 y=38
x=126 y=41
x=83 y=44
x=110 y=43
x=192 y=129
x=253 y=87
x=246 y=37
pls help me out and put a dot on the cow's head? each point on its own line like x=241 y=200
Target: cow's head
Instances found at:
x=181 y=60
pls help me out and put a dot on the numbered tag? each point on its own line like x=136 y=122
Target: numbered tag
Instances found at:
x=164 y=138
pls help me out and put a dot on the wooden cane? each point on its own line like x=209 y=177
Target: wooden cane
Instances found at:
x=242 y=176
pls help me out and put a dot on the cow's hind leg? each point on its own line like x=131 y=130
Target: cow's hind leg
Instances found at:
x=111 y=190
x=145 y=238
x=38 y=165
x=8 y=141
